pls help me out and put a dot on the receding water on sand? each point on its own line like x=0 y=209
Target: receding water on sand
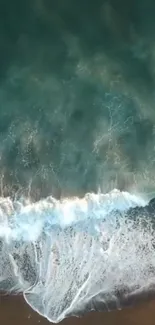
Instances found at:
x=75 y=255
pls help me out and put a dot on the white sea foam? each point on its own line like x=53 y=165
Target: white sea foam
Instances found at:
x=61 y=254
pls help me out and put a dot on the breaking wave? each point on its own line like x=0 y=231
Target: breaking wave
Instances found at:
x=71 y=255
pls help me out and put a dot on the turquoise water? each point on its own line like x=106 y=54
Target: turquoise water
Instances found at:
x=76 y=97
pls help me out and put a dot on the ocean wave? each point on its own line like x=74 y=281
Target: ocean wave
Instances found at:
x=75 y=255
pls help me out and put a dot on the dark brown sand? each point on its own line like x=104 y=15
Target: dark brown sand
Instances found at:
x=14 y=311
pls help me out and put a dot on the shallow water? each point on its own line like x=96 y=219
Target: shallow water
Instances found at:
x=68 y=257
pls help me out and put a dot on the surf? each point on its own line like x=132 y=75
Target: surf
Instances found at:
x=74 y=255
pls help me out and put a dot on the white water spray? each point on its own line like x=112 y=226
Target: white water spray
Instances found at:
x=63 y=254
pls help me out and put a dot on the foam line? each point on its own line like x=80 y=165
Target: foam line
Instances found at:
x=68 y=255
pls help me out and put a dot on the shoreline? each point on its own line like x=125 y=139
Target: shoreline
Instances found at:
x=15 y=311
x=129 y=264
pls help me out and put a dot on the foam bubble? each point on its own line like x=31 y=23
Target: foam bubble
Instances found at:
x=64 y=255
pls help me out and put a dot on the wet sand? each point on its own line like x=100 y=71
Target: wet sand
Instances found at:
x=14 y=311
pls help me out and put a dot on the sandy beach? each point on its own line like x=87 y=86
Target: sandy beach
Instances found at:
x=13 y=310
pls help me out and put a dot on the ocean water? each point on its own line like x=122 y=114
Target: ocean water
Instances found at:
x=77 y=116
x=76 y=97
